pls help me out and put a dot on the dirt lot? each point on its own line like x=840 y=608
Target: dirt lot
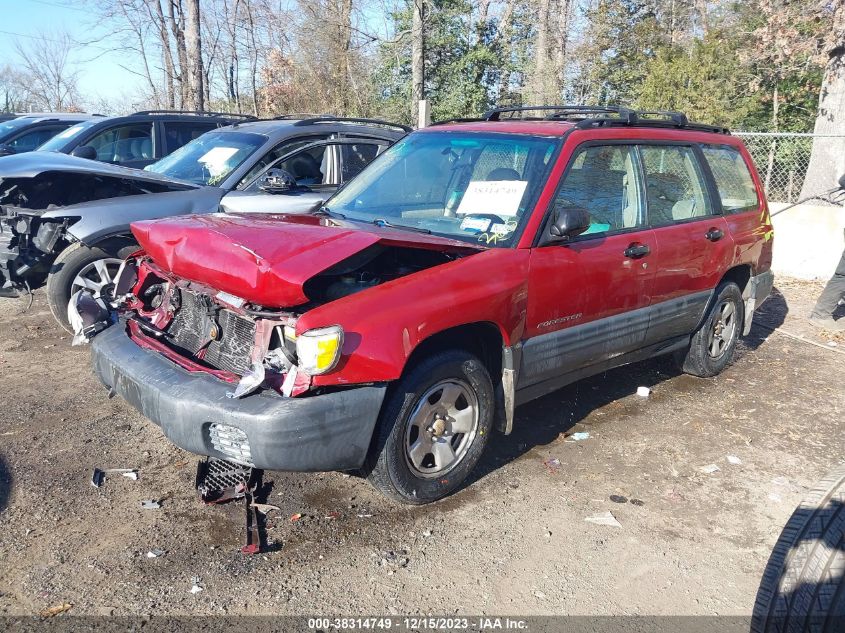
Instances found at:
x=514 y=542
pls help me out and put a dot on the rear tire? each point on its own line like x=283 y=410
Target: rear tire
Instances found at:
x=433 y=428
x=803 y=586
x=713 y=345
x=86 y=261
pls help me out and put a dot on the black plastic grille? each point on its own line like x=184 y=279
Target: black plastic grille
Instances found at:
x=190 y=328
x=232 y=352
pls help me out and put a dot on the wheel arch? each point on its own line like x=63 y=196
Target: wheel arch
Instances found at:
x=483 y=339
x=741 y=276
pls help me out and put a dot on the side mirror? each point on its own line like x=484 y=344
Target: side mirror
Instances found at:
x=842 y=181
x=7 y=150
x=567 y=222
x=276 y=181
x=84 y=151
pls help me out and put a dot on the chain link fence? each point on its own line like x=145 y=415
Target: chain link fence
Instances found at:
x=782 y=160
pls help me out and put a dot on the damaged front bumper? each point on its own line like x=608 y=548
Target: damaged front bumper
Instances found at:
x=27 y=247
x=324 y=432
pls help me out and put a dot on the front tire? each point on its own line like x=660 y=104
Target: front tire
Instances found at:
x=80 y=266
x=713 y=345
x=433 y=428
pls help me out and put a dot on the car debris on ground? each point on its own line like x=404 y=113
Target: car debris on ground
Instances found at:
x=151 y=504
x=98 y=477
x=710 y=469
x=604 y=518
x=155 y=553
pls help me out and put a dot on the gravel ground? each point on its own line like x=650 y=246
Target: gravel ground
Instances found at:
x=515 y=541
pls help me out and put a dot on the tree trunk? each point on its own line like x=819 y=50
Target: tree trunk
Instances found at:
x=417 y=57
x=166 y=53
x=177 y=26
x=193 y=43
x=827 y=161
x=541 y=54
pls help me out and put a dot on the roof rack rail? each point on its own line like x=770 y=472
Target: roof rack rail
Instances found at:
x=301 y=115
x=604 y=116
x=458 y=120
x=346 y=119
x=232 y=115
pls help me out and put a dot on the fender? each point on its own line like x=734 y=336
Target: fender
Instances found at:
x=384 y=325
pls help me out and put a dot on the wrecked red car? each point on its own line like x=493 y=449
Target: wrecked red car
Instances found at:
x=472 y=267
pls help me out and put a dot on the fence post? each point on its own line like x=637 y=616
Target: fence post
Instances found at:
x=424 y=114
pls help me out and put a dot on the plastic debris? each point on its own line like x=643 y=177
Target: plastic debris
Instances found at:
x=59 y=608
x=333 y=515
x=365 y=516
x=150 y=504
x=196 y=585
x=578 y=437
x=553 y=464
x=643 y=392
x=605 y=518
x=710 y=469
x=98 y=478
x=155 y=553
x=733 y=459
x=265 y=508
x=295 y=517
x=618 y=499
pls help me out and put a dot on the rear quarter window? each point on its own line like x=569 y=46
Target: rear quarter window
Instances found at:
x=733 y=179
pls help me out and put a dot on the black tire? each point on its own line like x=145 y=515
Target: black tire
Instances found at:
x=803 y=586
x=698 y=360
x=67 y=266
x=388 y=468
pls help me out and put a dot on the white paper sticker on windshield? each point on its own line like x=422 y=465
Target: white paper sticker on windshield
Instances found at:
x=475 y=224
x=499 y=197
x=215 y=158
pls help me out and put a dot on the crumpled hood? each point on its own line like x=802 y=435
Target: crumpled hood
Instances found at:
x=267 y=260
x=32 y=164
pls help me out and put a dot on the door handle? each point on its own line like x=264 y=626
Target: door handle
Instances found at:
x=637 y=250
x=714 y=234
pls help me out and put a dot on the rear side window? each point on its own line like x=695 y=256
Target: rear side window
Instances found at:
x=733 y=180
x=675 y=186
x=30 y=140
x=179 y=133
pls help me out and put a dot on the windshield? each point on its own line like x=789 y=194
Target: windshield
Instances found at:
x=60 y=140
x=470 y=186
x=209 y=159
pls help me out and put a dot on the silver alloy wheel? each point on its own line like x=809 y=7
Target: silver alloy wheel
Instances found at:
x=98 y=277
x=441 y=428
x=722 y=329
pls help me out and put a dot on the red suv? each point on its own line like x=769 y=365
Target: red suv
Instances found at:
x=472 y=267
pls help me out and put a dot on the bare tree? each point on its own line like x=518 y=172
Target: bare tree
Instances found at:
x=52 y=80
x=193 y=45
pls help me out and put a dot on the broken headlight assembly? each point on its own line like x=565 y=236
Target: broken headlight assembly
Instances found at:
x=318 y=350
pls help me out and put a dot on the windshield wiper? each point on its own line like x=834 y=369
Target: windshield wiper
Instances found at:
x=324 y=210
x=385 y=223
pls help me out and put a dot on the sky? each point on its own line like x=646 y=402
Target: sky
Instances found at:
x=100 y=73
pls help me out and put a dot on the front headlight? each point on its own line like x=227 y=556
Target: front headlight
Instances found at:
x=318 y=351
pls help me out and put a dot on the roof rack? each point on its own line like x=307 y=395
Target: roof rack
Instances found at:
x=231 y=115
x=604 y=116
x=345 y=119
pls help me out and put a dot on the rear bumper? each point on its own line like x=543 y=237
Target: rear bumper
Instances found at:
x=317 y=433
x=759 y=288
